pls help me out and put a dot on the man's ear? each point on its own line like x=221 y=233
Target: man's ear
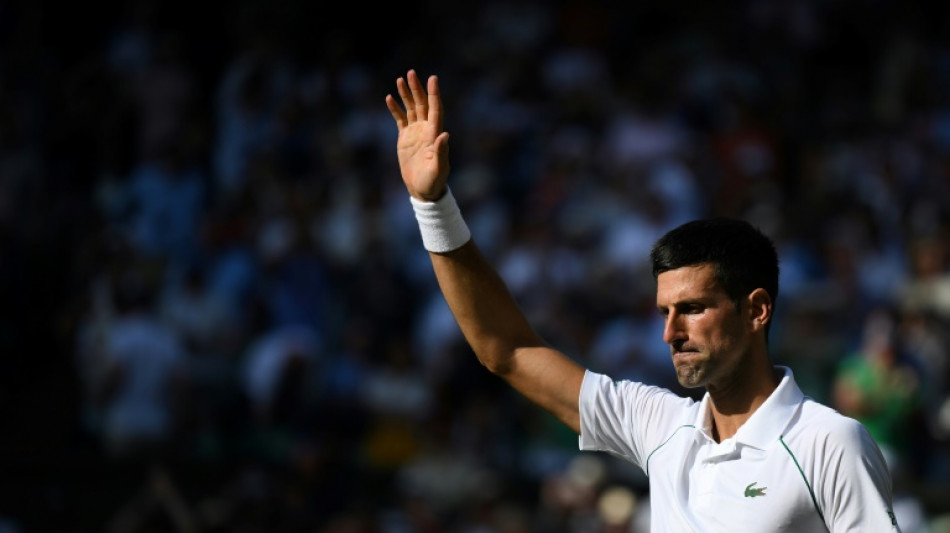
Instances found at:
x=760 y=308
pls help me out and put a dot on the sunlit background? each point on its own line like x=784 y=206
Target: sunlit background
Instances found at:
x=219 y=316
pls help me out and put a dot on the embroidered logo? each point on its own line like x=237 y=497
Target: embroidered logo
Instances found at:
x=752 y=491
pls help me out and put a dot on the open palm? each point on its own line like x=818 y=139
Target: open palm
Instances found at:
x=422 y=148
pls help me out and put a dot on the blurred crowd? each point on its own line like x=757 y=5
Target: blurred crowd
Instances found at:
x=220 y=316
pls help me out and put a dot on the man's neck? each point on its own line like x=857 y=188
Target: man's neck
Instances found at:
x=734 y=402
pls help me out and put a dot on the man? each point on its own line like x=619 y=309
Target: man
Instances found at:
x=753 y=455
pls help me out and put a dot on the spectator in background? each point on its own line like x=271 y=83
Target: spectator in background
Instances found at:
x=202 y=316
x=165 y=197
x=928 y=287
x=164 y=94
x=144 y=385
x=280 y=378
x=878 y=386
x=249 y=93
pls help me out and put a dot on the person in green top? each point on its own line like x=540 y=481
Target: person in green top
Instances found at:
x=875 y=386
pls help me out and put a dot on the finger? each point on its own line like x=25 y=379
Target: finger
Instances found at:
x=406 y=96
x=418 y=95
x=442 y=143
x=398 y=114
x=442 y=149
x=435 y=103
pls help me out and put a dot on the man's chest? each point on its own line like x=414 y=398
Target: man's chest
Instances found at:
x=713 y=488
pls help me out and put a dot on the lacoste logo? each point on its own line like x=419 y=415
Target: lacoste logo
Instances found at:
x=751 y=491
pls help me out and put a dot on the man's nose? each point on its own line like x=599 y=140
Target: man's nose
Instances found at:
x=672 y=329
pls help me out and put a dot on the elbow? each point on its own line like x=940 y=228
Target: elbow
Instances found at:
x=498 y=363
x=495 y=355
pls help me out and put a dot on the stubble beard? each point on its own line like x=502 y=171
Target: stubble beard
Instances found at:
x=703 y=366
x=691 y=375
x=692 y=369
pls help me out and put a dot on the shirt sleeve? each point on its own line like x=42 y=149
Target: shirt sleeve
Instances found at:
x=627 y=418
x=856 y=483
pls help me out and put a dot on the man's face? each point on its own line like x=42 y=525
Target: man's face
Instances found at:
x=705 y=331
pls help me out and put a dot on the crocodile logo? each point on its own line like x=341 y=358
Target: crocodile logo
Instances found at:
x=751 y=491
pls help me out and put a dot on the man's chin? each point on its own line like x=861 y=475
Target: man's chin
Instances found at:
x=689 y=378
x=687 y=384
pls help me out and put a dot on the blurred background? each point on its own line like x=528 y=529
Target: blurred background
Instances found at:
x=219 y=316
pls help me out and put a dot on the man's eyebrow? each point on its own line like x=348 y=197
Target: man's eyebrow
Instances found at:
x=689 y=302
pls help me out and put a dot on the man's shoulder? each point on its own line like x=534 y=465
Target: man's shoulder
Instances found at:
x=826 y=426
x=813 y=410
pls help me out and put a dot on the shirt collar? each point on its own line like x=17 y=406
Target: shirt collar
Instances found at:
x=768 y=422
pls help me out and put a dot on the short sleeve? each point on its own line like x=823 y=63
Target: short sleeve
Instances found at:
x=625 y=418
x=856 y=485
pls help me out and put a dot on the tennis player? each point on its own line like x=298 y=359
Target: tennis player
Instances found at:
x=755 y=454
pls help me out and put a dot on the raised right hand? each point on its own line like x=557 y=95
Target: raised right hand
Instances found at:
x=422 y=146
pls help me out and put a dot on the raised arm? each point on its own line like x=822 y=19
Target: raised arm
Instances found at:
x=490 y=319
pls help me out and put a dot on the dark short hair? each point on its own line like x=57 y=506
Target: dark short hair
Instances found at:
x=743 y=258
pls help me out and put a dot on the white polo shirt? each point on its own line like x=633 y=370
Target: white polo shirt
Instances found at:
x=795 y=465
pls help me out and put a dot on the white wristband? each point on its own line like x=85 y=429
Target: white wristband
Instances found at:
x=441 y=224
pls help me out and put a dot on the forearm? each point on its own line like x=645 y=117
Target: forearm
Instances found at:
x=488 y=316
x=490 y=319
x=501 y=337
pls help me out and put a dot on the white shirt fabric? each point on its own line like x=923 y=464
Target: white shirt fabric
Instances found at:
x=795 y=465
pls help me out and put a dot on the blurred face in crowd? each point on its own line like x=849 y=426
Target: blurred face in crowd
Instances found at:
x=706 y=333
